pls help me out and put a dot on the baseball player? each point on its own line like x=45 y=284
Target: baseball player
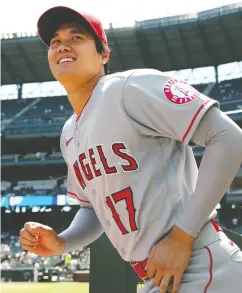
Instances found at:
x=131 y=166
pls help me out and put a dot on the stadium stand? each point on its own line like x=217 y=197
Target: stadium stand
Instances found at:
x=9 y=158
x=9 y=108
x=34 y=187
x=229 y=94
x=228 y=90
x=55 y=156
x=5 y=187
x=36 y=184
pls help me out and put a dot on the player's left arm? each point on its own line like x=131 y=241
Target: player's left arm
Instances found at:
x=158 y=106
x=220 y=162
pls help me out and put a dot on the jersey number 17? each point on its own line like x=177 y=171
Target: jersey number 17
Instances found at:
x=127 y=195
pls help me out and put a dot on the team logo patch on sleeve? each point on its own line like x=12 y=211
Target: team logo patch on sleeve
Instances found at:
x=179 y=92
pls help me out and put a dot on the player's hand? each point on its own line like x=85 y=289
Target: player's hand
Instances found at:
x=41 y=240
x=169 y=258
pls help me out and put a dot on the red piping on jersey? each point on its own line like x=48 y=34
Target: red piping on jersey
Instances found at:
x=216 y=226
x=210 y=269
x=78 y=117
x=194 y=118
x=68 y=141
x=77 y=197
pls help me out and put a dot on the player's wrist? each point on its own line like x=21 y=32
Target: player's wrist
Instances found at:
x=61 y=245
x=180 y=235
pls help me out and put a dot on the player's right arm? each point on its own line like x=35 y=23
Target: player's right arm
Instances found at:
x=44 y=241
x=84 y=229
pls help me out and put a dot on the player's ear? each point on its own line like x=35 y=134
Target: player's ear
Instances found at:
x=105 y=56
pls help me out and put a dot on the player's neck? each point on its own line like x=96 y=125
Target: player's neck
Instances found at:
x=78 y=94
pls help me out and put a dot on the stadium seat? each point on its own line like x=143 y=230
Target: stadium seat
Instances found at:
x=37 y=184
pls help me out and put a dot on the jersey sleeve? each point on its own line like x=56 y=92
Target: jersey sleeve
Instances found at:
x=161 y=106
x=73 y=190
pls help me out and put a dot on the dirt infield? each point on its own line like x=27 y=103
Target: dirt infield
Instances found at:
x=44 y=287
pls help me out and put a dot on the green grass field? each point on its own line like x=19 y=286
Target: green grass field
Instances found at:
x=15 y=287
x=44 y=287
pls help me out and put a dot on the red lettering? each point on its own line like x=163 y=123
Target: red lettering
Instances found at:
x=79 y=175
x=127 y=195
x=85 y=168
x=107 y=168
x=133 y=165
x=93 y=162
x=116 y=216
x=172 y=81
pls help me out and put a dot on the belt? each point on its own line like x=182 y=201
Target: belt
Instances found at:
x=139 y=266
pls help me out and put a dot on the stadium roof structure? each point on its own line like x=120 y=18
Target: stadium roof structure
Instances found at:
x=208 y=38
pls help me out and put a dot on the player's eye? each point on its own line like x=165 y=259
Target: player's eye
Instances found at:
x=77 y=38
x=55 y=41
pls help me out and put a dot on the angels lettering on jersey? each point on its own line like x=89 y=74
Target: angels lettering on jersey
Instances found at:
x=88 y=162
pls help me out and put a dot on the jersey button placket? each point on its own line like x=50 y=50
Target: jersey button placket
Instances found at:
x=76 y=141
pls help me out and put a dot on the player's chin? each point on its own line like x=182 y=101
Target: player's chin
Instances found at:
x=64 y=75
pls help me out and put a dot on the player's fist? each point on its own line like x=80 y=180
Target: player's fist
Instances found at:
x=41 y=240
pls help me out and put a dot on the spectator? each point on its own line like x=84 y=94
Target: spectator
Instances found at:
x=73 y=265
x=36 y=271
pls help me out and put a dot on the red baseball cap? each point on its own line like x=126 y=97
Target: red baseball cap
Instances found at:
x=54 y=17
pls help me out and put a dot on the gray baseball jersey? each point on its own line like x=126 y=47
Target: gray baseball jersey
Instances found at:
x=129 y=158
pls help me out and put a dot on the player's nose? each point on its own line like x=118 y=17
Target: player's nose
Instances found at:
x=64 y=48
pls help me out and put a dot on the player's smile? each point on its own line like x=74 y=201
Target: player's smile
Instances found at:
x=66 y=59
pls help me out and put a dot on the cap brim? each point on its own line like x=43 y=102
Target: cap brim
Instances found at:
x=53 y=18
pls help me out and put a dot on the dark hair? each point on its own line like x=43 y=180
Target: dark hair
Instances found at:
x=100 y=49
x=99 y=46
